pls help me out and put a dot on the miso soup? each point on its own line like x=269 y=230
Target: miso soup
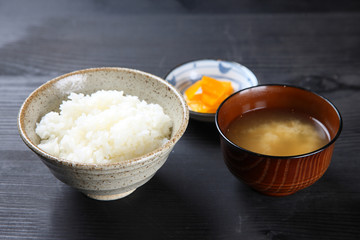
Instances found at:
x=277 y=132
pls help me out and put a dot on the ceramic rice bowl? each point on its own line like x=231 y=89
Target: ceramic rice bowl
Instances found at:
x=114 y=180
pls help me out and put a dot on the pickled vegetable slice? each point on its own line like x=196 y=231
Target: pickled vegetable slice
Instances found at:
x=207 y=94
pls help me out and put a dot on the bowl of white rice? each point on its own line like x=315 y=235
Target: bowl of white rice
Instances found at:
x=104 y=131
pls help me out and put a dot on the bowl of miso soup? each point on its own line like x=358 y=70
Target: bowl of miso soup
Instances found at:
x=278 y=139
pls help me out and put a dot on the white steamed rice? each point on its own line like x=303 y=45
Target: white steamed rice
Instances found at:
x=103 y=127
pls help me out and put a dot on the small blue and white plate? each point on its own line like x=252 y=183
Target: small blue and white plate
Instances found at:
x=184 y=75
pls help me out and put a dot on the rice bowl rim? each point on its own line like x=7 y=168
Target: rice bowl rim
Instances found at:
x=123 y=163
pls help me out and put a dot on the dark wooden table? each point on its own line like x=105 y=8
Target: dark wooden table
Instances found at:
x=193 y=196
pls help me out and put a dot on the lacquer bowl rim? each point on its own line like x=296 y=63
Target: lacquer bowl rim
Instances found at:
x=273 y=156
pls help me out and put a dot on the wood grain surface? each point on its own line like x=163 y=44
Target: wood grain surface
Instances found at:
x=193 y=196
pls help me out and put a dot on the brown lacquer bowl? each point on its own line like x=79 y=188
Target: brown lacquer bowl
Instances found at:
x=277 y=175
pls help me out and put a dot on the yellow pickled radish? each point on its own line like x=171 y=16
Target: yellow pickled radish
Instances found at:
x=206 y=95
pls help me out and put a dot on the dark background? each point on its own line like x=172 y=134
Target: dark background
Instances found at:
x=312 y=44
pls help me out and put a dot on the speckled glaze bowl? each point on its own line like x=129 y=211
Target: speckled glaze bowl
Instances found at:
x=106 y=181
x=274 y=175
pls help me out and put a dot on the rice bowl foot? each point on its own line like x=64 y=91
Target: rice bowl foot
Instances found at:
x=110 y=197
